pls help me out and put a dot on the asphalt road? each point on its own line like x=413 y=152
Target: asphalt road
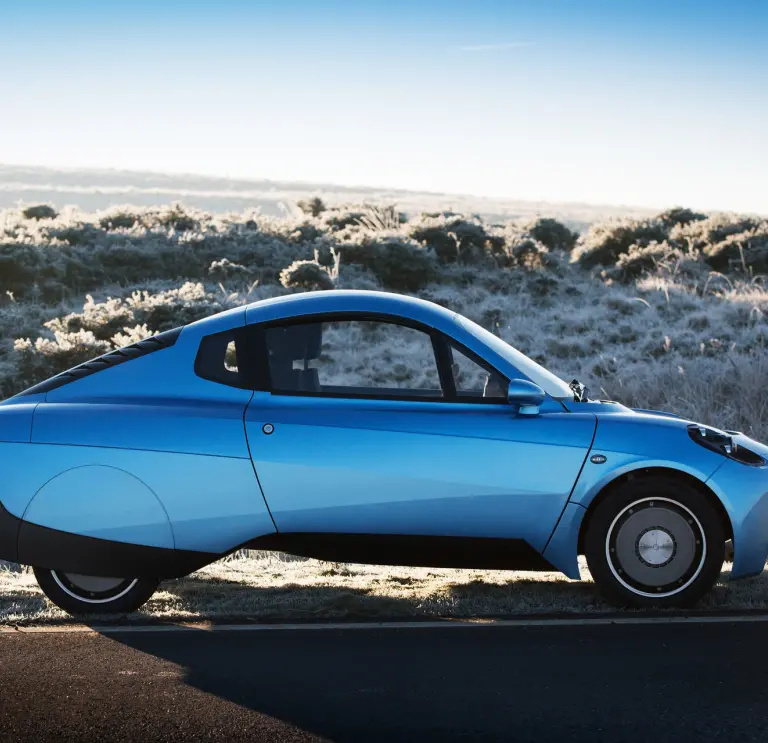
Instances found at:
x=590 y=683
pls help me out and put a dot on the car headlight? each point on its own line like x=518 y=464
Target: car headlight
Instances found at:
x=722 y=443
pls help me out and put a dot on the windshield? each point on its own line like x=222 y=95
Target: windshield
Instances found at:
x=552 y=385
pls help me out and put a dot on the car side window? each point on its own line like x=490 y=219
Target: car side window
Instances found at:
x=353 y=358
x=222 y=358
x=472 y=379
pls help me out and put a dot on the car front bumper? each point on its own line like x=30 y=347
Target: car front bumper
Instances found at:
x=743 y=491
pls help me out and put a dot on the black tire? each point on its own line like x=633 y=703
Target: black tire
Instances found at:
x=654 y=542
x=80 y=594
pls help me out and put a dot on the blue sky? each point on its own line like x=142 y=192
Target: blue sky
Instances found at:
x=634 y=102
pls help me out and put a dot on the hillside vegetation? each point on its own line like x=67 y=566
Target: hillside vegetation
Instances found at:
x=666 y=312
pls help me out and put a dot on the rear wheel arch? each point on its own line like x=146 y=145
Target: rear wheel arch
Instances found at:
x=650 y=472
x=91 y=493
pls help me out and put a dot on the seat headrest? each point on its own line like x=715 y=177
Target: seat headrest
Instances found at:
x=295 y=342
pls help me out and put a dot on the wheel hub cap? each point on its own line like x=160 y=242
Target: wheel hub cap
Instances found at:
x=656 y=547
x=93 y=583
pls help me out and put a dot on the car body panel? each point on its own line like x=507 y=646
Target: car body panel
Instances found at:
x=111 y=504
x=214 y=504
x=185 y=426
x=431 y=468
x=743 y=491
x=16 y=421
x=635 y=441
x=562 y=550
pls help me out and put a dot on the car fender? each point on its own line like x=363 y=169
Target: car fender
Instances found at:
x=104 y=502
x=625 y=443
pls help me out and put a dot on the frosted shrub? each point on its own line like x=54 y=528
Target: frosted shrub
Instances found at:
x=178 y=217
x=527 y=252
x=606 y=241
x=397 y=261
x=551 y=233
x=679 y=215
x=746 y=250
x=119 y=218
x=131 y=335
x=76 y=234
x=341 y=217
x=306 y=276
x=384 y=218
x=641 y=260
x=169 y=309
x=103 y=319
x=40 y=211
x=713 y=230
x=48 y=356
x=225 y=270
x=456 y=238
x=313 y=207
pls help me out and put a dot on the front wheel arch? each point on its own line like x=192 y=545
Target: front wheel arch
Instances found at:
x=666 y=472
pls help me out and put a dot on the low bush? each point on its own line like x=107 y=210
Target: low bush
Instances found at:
x=40 y=211
x=397 y=261
x=527 y=252
x=639 y=260
x=551 y=233
x=457 y=238
x=225 y=270
x=746 y=250
x=119 y=218
x=306 y=276
x=48 y=356
x=712 y=230
x=606 y=241
x=314 y=207
x=679 y=215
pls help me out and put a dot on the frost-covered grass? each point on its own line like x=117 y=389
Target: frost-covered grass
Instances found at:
x=269 y=587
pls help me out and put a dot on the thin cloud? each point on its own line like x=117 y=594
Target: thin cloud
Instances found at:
x=495 y=47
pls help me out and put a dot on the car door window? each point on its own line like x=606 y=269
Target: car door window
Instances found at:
x=353 y=358
x=474 y=380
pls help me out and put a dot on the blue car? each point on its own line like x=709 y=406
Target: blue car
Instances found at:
x=361 y=427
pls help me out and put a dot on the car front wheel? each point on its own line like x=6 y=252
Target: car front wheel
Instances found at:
x=90 y=594
x=655 y=542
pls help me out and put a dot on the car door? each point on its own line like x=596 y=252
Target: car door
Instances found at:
x=378 y=427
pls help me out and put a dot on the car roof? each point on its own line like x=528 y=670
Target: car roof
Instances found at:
x=346 y=300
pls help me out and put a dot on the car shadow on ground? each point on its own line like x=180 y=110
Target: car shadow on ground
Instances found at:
x=347 y=685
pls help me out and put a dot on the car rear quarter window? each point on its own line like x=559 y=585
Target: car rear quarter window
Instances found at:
x=225 y=358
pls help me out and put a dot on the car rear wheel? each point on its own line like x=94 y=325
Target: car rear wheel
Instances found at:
x=655 y=542
x=90 y=594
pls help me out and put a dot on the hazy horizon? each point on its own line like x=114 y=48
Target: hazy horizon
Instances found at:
x=98 y=189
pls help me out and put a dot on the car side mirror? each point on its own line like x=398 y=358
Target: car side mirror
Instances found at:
x=526 y=395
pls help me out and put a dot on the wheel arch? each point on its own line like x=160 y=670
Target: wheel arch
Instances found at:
x=646 y=472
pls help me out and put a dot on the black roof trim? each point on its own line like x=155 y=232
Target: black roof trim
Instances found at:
x=113 y=358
